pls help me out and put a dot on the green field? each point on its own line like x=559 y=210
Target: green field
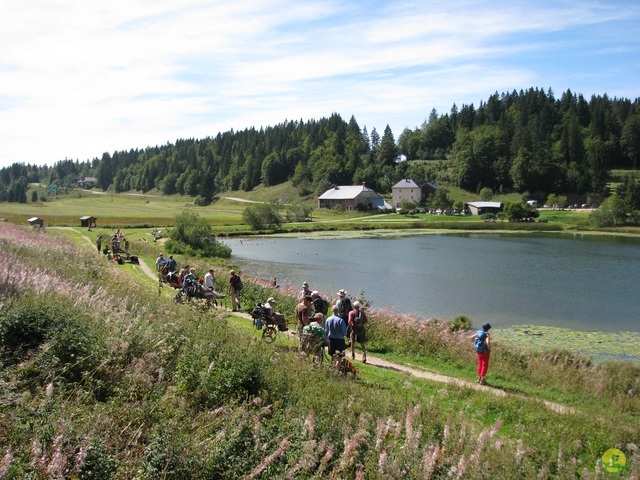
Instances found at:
x=225 y=213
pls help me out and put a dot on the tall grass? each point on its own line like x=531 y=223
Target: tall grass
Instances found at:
x=161 y=391
x=615 y=385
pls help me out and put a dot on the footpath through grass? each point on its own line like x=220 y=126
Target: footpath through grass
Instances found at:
x=100 y=374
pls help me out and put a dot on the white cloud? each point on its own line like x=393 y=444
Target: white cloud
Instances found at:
x=78 y=78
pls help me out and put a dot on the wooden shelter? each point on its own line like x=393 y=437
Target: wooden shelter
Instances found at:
x=88 y=221
x=36 y=222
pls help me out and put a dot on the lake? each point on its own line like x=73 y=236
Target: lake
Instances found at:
x=580 y=282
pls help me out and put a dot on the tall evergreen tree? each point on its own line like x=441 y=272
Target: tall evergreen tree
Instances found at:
x=630 y=139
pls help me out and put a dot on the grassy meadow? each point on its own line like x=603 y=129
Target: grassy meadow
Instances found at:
x=101 y=377
x=134 y=210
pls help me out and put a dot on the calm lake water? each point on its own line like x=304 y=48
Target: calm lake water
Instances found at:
x=578 y=282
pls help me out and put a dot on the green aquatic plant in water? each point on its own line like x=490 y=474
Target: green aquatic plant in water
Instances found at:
x=600 y=346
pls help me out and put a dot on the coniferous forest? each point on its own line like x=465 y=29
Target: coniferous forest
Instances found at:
x=526 y=141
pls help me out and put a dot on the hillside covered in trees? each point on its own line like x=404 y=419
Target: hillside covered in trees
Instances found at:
x=525 y=141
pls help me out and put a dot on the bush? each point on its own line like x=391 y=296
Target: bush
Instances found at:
x=611 y=213
x=461 y=322
x=218 y=368
x=193 y=236
x=260 y=216
x=201 y=201
x=59 y=335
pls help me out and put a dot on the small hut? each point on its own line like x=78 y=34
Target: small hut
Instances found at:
x=36 y=222
x=88 y=221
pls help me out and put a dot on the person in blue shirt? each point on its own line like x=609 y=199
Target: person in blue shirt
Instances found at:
x=482 y=343
x=335 y=330
x=171 y=264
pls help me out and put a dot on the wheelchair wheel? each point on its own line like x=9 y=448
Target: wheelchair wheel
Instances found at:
x=318 y=357
x=269 y=333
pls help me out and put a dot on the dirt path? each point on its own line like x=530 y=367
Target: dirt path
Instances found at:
x=374 y=361
x=148 y=271
x=143 y=266
x=378 y=362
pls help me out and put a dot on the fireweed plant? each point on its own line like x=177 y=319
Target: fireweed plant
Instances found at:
x=101 y=378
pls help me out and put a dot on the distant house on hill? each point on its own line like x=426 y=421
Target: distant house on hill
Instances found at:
x=480 y=208
x=87 y=182
x=351 y=197
x=408 y=190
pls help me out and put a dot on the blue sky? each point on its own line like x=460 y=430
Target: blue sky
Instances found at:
x=81 y=78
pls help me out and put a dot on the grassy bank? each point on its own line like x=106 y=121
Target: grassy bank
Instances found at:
x=102 y=378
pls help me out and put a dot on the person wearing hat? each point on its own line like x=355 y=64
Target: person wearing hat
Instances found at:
x=160 y=261
x=320 y=305
x=304 y=292
x=481 y=344
x=357 y=320
x=269 y=307
x=344 y=305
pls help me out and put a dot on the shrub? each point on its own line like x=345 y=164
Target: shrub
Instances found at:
x=98 y=463
x=611 y=213
x=201 y=201
x=260 y=216
x=61 y=336
x=218 y=367
x=193 y=236
x=461 y=322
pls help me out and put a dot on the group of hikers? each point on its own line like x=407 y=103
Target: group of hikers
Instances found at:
x=117 y=250
x=348 y=320
x=186 y=279
x=329 y=325
x=315 y=327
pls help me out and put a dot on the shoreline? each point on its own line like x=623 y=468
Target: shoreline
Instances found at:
x=376 y=233
x=601 y=346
